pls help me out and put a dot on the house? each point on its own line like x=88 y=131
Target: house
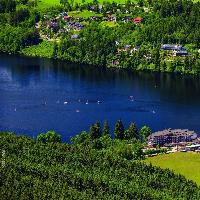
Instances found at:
x=92 y=8
x=100 y=8
x=181 y=53
x=127 y=46
x=62 y=14
x=75 y=26
x=95 y=18
x=66 y=18
x=111 y=18
x=52 y=24
x=117 y=42
x=173 y=47
x=137 y=20
x=126 y=19
x=178 y=50
x=135 y=49
x=75 y=36
x=170 y=136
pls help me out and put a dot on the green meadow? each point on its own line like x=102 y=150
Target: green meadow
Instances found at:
x=185 y=163
x=42 y=4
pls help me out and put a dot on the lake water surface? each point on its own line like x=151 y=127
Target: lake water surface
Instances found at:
x=37 y=95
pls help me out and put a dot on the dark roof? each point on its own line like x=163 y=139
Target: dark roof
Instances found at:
x=75 y=36
x=173 y=47
x=174 y=132
x=181 y=52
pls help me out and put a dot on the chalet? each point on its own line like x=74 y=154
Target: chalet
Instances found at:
x=137 y=20
x=170 y=136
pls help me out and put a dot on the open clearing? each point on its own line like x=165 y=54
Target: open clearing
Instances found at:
x=187 y=164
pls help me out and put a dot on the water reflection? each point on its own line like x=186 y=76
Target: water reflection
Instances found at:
x=34 y=92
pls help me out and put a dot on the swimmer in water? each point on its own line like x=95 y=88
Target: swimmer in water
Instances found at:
x=131 y=97
x=87 y=102
x=44 y=104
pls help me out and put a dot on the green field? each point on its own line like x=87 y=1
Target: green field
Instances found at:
x=187 y=164
x=43 y=4
x=44 y=49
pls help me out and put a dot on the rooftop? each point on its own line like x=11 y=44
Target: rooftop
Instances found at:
x=174 y=132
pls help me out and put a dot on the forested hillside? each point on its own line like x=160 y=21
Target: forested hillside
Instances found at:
x=129 y=35
x=47 y=169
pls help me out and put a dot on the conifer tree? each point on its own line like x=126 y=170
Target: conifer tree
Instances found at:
x=144 y=132
x=132 y=132
x=106 y=128
x=119 y=130
x=95 y=131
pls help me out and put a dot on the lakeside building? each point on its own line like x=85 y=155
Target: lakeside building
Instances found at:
x=170 y=136
x=178 y=50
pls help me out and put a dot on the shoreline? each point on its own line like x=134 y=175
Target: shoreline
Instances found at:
x=128 y=69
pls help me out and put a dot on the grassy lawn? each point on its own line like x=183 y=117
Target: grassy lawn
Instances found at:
x=43 y=4
x=187 y=164
x=109 y=24
x=83 y=14
x=44 y=49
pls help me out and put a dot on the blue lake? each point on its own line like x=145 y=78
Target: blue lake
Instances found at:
x=37 y=95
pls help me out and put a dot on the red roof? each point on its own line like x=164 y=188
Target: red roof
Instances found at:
x=137 y=20
x=66 y=17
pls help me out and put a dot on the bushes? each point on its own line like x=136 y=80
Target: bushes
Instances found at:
x=49 y=137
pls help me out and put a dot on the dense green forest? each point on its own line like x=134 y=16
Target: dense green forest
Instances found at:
x=93 y=166
x=106 y=34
